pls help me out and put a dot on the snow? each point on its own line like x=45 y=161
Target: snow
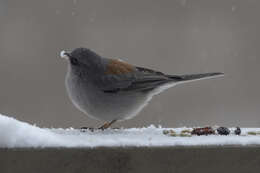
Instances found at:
x=62 y=54
x=14 y=133
x=233 y=8
x=183 y=2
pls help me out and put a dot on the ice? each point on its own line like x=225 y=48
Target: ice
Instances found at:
x=14 y=133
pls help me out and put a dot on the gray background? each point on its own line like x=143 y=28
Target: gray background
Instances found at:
x=174 y=36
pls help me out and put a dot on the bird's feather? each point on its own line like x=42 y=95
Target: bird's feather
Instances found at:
x=122 y=77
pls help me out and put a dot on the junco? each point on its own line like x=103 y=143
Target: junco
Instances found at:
x=112 y=90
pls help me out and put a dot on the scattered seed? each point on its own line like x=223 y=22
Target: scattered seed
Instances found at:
x=173 y=134
x=185 y=135
x=223 y=131
x=203 y=131
x=253 y=133
x=238 y=131
x=165 y=132
x=172 y=131
x=186 y=131
x=169 y=132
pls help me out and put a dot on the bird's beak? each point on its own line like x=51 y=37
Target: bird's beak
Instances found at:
x=65 y=54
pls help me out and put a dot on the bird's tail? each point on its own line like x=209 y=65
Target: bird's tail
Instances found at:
x=194 y=77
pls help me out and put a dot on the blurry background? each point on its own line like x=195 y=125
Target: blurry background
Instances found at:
x=174 y=36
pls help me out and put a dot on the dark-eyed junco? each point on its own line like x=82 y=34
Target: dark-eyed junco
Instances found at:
x=112 y=90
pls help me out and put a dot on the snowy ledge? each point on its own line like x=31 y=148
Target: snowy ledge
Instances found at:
x=14 y=133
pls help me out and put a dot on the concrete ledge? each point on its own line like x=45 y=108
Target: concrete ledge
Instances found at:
x=132 y=159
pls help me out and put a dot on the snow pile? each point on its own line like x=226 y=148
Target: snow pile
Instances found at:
x=14 y=133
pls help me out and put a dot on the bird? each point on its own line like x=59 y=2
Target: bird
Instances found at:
x=112 y=90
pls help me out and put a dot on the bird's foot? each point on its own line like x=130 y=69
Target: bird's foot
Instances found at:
x=107 y=125
x=84 y=129
x=91 y=129
x=103 y=127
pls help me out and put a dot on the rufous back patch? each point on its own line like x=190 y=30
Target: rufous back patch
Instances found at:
x=118 y=67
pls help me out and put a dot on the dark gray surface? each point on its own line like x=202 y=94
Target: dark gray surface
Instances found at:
x=174 y=36
x=214 y=159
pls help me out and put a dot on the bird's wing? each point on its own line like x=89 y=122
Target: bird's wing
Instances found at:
x=123 y=77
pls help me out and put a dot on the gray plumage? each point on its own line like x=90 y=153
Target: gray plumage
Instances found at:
x=108 y=89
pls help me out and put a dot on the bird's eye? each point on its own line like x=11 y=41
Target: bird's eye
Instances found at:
x=74 y=61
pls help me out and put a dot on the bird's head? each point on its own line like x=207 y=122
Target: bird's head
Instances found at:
x=81 y=59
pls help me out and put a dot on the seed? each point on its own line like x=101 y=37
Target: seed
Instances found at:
x=251 y=133
x=203 y=131
x=223 y=131
x=169 y=132
x=172 y=131
x=173 y=134
x=186 y=131
x=238 y=131
x=185 y=135
x=165 y=132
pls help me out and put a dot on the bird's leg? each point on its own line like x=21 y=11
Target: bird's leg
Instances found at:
x=107 y=124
